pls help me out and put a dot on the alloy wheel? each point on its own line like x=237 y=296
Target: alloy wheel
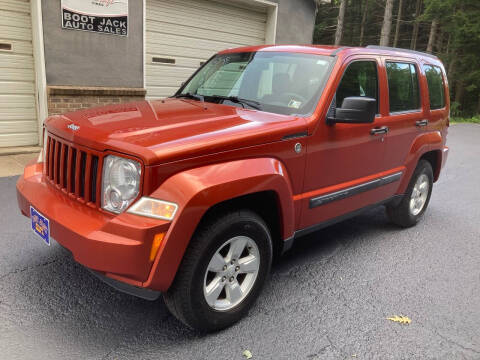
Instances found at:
x=231 y=273
x=419 y=195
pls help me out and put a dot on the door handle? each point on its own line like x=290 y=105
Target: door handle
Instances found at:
x=421 y=123
x=379 y=130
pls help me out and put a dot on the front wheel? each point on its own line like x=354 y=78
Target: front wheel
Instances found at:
x=415 y=201
x=222 y=272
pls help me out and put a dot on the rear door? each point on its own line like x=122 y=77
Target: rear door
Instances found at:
x=406 y=115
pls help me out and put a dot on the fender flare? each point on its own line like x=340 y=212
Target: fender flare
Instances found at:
x=197 y=190
x=422 y=144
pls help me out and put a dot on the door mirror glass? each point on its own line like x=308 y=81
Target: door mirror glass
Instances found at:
x=355 y=110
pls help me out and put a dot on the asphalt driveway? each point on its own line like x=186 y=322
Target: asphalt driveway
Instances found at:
x=328 y=298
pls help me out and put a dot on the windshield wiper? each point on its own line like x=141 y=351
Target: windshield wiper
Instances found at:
x=190 y=96
x=235 y=99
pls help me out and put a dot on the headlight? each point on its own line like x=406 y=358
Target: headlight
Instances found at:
x=120 y=183
x=154 y=208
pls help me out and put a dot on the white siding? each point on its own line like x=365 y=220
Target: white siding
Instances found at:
x=190 y=32
x=18 y=120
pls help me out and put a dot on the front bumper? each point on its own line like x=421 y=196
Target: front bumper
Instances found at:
x=117 y=247
x=140 y=292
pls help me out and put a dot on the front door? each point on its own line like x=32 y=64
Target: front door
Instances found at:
x=344 y=161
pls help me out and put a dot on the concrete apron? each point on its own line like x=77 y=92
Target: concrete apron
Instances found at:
x=12 y=165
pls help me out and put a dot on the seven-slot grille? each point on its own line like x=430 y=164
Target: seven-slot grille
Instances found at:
x=74 y=170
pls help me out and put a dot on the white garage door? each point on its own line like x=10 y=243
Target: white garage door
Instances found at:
x=181 y=34
x=18 y=120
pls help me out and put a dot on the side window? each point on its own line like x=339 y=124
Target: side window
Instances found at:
x=436 y=90
x=403 y=88
x=360 y=79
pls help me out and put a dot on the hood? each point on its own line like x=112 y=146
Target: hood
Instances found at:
x=172 y=129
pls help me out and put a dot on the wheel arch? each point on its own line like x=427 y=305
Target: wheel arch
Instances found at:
x=266 y=204
x=434 y=157
x=425 y=146
x=201 y=191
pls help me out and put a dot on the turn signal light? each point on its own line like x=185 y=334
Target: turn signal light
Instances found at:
x=154 y=208
x=157 y=241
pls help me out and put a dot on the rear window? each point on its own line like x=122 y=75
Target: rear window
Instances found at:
x=436 y=90
x=403 y=88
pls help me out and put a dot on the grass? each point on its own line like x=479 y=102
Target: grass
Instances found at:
x=472 y=120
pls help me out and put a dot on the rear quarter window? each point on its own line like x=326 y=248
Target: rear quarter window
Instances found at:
x=436 y=87
x=403 y=88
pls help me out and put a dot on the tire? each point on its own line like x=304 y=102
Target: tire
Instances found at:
x=221 y=236
x=405 y=215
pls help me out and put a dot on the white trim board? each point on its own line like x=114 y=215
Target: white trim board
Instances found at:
x=39 y=61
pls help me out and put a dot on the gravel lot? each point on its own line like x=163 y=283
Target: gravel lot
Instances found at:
x=328 y=298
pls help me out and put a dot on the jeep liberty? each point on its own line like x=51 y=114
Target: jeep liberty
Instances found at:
x=191 y=197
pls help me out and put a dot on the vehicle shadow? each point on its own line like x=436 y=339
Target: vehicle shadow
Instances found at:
x=76 y=307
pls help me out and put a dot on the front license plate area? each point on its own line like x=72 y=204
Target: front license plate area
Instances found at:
x=40 y=225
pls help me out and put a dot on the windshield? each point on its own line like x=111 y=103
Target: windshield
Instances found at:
x=278 y=82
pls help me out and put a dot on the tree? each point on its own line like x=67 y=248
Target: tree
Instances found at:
x=448 y=28
x=340 y=20
x=431 y=37
x=399 y=20
x=387 y=24
x=364 y=21
x=416 y=24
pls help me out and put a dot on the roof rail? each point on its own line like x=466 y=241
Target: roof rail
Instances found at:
x=401 y=50
x=337 y=50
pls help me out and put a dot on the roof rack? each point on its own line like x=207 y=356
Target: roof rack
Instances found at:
x=337 y=50
x=401 y=50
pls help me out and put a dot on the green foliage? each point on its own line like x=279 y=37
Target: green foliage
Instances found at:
x=455 y=109
x=457 y=40
x=472 y=120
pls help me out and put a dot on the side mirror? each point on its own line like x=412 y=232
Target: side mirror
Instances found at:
x=355 y=110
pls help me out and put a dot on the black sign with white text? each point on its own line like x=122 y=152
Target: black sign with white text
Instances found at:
x=108 y=25
x=103 y=16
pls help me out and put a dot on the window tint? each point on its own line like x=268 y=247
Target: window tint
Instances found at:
x=281 y=82
x=403 y=87
x=274 y=76
x=360 y=79
x=225 y=81
x=436 y=90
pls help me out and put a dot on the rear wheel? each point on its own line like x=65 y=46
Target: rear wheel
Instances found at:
x=222 y=272
x=415 y=201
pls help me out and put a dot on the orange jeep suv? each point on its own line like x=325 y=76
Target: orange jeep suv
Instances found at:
x=192 y=196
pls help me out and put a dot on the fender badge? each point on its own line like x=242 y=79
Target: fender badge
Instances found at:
x=73 y=127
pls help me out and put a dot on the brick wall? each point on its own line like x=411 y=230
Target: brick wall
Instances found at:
x=62 y=99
